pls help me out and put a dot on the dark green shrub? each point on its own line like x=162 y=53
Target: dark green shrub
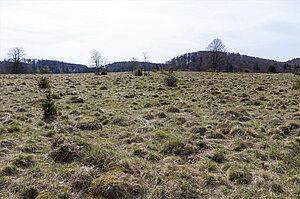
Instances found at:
x=43 y=83
x=271 y=69
x=138 y=72
x=246 y=70
x=171 y=70
x=48 y=104
x=171 y=80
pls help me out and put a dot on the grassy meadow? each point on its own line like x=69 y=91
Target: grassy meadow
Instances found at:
x=214 y=135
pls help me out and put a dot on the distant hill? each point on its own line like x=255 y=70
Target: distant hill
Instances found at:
x=234 y=62
x=58 y=66
x=34 y=65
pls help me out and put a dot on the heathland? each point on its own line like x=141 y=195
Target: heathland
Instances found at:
x=213 y=135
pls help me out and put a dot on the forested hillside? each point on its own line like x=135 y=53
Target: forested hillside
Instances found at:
x=232 y=62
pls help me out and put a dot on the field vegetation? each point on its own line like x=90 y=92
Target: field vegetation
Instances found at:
x=180 y=135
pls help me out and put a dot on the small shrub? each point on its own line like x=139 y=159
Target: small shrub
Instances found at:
x=171 y=70
x=48 y=105
x=271 y=69
x=43 y=83
x=246 y=70
x=138 y=72
x=170 y=80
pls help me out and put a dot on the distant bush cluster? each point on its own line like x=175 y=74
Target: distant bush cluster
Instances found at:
x=170 y=80
x=271 y=69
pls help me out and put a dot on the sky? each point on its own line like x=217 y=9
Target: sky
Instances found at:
x=69 y=31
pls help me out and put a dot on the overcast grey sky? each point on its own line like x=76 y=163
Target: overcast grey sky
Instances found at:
x=69 y=30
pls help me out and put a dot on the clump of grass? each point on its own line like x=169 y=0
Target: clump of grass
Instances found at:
x=29 y=192
x=171 y=109
x=218 y=156
x=177 y=146
x=277 y=188
x=23 y=161
x=89 y=123
x=171 y=70
x=66 y=153
x=48 y=105
x=81 y=179
x=43 y=82
x=8 y=171
x=14 y=128
x=170 y=80
x=115 y=184
x=199 y=130
x=239 y=174
x=296 y=85
x=100 y=157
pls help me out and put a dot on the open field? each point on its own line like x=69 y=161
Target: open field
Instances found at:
x=215 y=135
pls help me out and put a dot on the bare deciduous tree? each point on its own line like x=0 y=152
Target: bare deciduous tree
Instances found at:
x=96 y=61
x=217 y=53
x=146 y=59
x=16 y=55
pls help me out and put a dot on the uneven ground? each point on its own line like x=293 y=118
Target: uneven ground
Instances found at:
x=215 y=135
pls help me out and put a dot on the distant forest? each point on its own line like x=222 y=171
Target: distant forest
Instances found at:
x=232 y=62
x=196 y=61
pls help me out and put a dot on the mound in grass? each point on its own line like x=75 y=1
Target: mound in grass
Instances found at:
x=115 y=184
x=89 y=123
x=66 y=153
